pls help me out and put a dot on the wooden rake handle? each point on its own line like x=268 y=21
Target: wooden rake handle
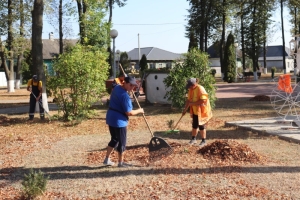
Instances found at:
x=138 y=104
x=180 y=119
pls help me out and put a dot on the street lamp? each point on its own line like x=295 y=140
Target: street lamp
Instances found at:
x=236 y=46
x=118 y=52
x=113 y=35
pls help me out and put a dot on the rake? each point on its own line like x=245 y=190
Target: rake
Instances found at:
x=158 y=147
x=42 y=107
x=176 y=131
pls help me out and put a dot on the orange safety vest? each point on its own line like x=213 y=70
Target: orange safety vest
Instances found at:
x=118 y=81
x=284 y=83
x=204 y=110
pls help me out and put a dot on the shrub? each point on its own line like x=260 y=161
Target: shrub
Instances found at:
x=213 y=71
x=195 y=64
x=80 y=80
x=34 y=184
x=229 y=60
x=273 y=69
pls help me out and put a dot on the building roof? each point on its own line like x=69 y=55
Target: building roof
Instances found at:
x=272 y=51
x=51 y=47
x=275 y=51
x=213 y=52
x=153 y=54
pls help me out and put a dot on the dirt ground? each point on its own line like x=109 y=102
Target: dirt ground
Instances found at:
x=235 y=164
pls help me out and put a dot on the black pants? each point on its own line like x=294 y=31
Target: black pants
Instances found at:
x=118 y=138
x=32 y=104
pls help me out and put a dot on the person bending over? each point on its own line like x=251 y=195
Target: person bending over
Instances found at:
x=34 y=86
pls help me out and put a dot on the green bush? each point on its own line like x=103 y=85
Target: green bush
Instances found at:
x=229 y=60
x=213 y=71
x=80 y=82
x=195 y=64
x=34 y=184
x=273 y=69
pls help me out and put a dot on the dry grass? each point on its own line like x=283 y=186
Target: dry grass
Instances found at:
x=72 y=156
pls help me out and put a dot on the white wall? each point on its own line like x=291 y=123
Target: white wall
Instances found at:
x=155 y=88
x=3 y=82
x=215 y=64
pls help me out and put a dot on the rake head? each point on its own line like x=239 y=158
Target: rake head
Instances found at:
x=159 y=149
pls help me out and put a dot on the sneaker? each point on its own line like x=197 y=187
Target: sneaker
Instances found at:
x=193 y=141
x=202 y=143
x=123 y=164
x=107 y=161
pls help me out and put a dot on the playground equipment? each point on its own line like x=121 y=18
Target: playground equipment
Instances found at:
x=285 y=99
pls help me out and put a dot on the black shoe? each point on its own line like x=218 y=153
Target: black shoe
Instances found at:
x=42 y=118
x=30 y=119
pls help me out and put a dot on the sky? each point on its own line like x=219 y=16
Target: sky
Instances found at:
x=160 y=24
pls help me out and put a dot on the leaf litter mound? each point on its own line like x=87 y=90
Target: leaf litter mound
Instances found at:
x=220 y=150
x=229 y=150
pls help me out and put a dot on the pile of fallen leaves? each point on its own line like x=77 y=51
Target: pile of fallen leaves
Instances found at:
x=139 y=155
x=229 y=150
x=260 y=98
x=220 y=150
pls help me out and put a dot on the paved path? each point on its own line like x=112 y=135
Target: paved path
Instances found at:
x=288 y=129
x=234 y=90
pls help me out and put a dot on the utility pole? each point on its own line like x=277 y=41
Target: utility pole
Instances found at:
x=139 y=49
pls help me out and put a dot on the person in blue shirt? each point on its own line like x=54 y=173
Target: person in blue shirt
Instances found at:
x=117 y=116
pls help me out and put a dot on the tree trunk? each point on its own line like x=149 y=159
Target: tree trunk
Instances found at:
x=202 y=25
x=81 y=23
x=283 y=40
x=61 y=46
x=10 y=75
x=110 y=5
x=37 y=46
x=295 y=49
x=20 y=56
x=253 y=40
x=265 y=57
x=3 y=60
x=222 y=42
x=243 y=41
x=18 y=74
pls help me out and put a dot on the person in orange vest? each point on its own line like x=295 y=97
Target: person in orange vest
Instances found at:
x=118 y=81
x=200 y=109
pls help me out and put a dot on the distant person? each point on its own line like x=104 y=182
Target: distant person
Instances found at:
x=118 y=81
x=34 y=86
x=200 y=109
x=117 y=116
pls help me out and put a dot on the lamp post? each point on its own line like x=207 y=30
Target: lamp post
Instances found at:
x=118 y=52
x=113 y=35
x=236 y=46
